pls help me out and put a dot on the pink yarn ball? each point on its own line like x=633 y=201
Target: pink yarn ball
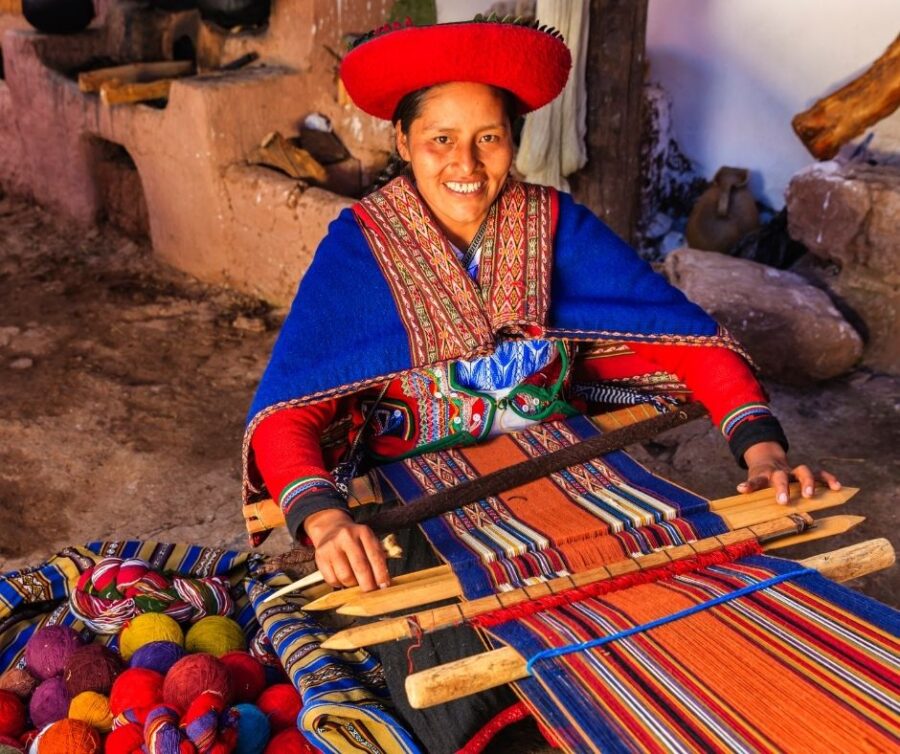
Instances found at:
x=48 y=649
x=191 y=676
x=49 y=703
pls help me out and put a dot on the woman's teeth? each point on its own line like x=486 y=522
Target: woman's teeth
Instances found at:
x=464 y=188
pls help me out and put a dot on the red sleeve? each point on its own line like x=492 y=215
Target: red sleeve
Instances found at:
x=287 y=447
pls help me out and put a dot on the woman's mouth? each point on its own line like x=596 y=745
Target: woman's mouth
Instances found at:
x=464 y=187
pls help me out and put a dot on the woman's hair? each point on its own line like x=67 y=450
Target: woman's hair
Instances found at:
x=410 y=107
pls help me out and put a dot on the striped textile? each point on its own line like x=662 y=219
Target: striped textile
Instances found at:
x=803 y=666
x=585 y=516
x=345 y=704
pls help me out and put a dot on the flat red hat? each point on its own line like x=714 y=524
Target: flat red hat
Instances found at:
x=532 y=63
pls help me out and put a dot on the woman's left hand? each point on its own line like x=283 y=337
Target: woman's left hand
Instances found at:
x=767 y=466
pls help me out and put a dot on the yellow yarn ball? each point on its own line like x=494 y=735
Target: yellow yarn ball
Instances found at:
x=215 y=635
x=145 y=628
x=93 y=709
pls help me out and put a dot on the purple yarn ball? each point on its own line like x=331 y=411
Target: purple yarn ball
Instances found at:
x=157 y=655
x=49 y=703
x=48 y=649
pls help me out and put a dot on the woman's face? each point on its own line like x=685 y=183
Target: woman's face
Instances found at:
x=460 y=150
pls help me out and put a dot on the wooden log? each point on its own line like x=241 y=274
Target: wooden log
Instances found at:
x=134 y=73
x=454 y=615
x=470 y=675
x=111 y=93
x=760 y=508
x=836 y=119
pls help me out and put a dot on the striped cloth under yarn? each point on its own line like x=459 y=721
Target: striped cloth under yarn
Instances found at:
x=115 y=590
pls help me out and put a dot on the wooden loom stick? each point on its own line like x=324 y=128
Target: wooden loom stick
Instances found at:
x=408 y=626
x=113 y=94
x=392 y=599
x=498 y=667
x=265 y=514
x=133 y=73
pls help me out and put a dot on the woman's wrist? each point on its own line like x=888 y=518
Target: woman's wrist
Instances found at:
x=319 y=524
x=763 y=452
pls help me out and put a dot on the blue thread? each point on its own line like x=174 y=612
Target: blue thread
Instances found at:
x=599 y=642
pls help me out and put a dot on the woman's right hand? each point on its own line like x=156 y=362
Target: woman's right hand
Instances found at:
x=347 y=553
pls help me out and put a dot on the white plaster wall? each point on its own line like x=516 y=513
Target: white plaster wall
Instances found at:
x=739 y=70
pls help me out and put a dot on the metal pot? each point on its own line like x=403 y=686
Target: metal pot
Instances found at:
x=58 y=16
x=230 y=13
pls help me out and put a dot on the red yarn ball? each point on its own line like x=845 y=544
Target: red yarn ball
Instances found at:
x=191 y=676
x=129 y=739
x=248 y=678
x=289 y=741
x=135 y=689
x=282 y=704
x=91 y=668
x=48 y=649
x=12 y=714
x=69 y=737
x=12 y=743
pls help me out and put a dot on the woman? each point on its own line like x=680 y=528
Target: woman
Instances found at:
x=457 y=303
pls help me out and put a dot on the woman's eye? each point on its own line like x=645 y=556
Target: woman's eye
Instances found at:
x=490 y=137
x=443 y=139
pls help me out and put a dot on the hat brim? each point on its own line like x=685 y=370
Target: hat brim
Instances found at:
x=532 y=64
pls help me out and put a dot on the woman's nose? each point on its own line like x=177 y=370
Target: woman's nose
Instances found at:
x=467 y=156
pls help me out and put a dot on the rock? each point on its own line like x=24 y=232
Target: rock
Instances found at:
x=23 y=363
x=850 y=215
x=248 y=324
x=790 y=328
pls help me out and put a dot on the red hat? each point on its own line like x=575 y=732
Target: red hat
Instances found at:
x=387 y=64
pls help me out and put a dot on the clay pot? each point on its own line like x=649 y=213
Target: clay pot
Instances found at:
x=724 y=213
x=230 y=13
x=58 y=16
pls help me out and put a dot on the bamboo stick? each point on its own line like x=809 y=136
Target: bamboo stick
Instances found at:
x=501 y=666
x=133 y=73
x=372 y=604
x=340 y=597
x=408 y=626
x=829 y=526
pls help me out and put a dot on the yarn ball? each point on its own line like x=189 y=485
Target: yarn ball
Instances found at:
x=128 y=739
x=146 y=628
x=91 y=668
x=253 y=729
x=136 y=689
x=12 y=714
x=282 y=704
x=215 y=635
x=289 y=741
x=191 y=676
x=19 y=681
x=157 y=655
x=69 y=737
x=48 y=649
x=92 y=708
x=248 y=679
x=49 y=703
x=8 y=744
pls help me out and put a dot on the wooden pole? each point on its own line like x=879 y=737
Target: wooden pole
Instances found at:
x=112 y=93
x=610 y=182
x=134 y=73
x=501 y=666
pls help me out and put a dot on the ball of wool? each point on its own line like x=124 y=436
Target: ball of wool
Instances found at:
x=157 y=655
x=253 y=729
x=69 y=737
x=12 y=714
x=146 y=628
x=47 y=651
x=289 y=741
x=11 y=744
x=49 y=703
x=19 y=681
x=215 y=635
x=129 y=739
x=91 y=668
x=282 y=704
x=93 y=709
x=135 y=689
x=191 y=676
x=248 y=679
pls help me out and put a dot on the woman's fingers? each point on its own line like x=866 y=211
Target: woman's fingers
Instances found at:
x=362 y=570
x=343 y=571
x=804 y=475
x=754 y=483
x=830 y=479
x=780 y=481
x=377 y=560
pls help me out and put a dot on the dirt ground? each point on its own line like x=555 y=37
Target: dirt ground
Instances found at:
x=124 y=385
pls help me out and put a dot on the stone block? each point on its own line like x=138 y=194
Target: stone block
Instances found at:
x=790 y=328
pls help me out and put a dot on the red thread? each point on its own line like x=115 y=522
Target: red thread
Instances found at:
x=477 y=743
x=417 y=637
x=599 y=588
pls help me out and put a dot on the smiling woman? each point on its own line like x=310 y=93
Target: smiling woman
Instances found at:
x=456 y=303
